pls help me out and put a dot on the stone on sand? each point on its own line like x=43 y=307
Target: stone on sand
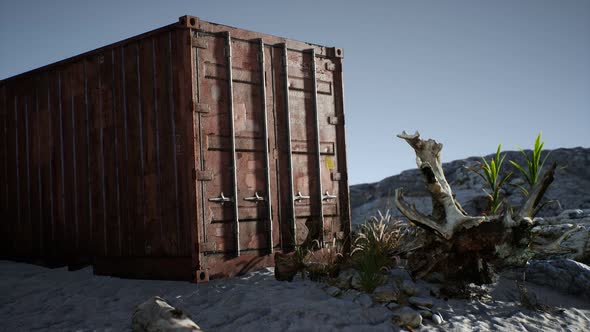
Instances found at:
x=384 y=293
x=421 y=301
x=156 y=315
x=565 y=275
x=407 y=316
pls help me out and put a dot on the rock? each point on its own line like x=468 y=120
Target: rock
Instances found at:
x=286 y=266
x=350 y=295
x=364 y=300
x=398 y=273
x=333 y=291
x=425 y=313
x=376 y=315
x=565 y=275
x=156 y=315
x=393 y=306
x=408 y=287
x=549 y=241
x=421 y=301
x=407 y=316
x=385 y=293
x=435 y=277
x=437 y=319
x=427 y=289
x=571 y=214
x=355 y=282
x=344 y=279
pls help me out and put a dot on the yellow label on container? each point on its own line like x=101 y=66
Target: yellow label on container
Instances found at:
x=330 y=163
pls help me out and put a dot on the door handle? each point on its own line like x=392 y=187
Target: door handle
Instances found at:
x=327 y=196
x=256 y=198
x=299 y=197
x=221 y=199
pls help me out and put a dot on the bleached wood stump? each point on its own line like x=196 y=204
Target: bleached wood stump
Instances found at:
x=470 y=248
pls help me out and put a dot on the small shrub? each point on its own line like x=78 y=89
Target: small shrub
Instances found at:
x=323 y=262
x=373 y=250
x=378 y=236
x=370 y=273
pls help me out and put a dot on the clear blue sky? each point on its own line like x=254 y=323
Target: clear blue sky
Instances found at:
x=470 y=74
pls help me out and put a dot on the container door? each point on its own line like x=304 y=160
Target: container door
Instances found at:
x=310 y=138
x=236 y=172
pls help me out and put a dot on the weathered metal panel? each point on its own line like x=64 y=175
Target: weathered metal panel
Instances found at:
x=302 y=152
x=4 y=219
x=11 y=180
x=58 y=231
x=197 y=147
x=70 y=91
x=109 y=225
x=185 y=133
x=165 y=146
x=237 y=199
x=150 y=165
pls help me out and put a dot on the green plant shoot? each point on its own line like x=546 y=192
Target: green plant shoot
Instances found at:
x=490 y=172
x=533 y=164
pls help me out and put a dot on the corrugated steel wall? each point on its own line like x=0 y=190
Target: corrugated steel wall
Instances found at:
x=96 y=153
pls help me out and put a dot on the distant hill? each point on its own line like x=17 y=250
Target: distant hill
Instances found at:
x=571 y=186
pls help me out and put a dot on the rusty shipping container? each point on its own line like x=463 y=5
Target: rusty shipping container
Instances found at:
x=192 y=151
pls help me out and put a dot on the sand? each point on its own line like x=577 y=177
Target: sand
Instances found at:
x=36 y=298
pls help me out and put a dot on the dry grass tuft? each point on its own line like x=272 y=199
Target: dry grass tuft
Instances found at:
x=374 y=249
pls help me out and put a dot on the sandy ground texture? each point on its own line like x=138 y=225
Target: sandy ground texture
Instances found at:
x=35 y=298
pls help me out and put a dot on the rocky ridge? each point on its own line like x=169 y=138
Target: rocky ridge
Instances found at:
x=571 y=186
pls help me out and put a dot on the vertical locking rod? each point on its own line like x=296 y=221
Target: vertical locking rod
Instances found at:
x=266 y=150
x=230 y=106
x=319 y=193
x=289 y=146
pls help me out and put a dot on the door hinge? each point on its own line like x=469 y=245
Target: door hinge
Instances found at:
x=201 y=276
x=199 y=175
x=260 y=56
x=336 y=176
x=338 y=52
x=201 y=108
x=199 y=43
x=335 y=120
x=207 y=246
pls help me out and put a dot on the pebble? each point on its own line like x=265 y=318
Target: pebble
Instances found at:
x=399 y=274
x=344 y=279
x=407 y=316
x=393 y=306
x=364 y=300
x=385 y=293
x=356 y=281
x=409 y=287
x=350 y=295
x=421 y=301
x=437 y=319
x=571 y=214
x=426 y=313
x=333 y=291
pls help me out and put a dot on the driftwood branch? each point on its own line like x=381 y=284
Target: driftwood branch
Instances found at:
x=447 y=216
